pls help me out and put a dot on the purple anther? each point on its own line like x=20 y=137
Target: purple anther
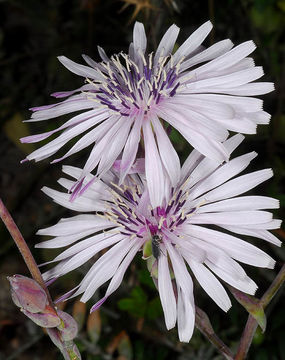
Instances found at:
x=140 y=94
x=173 y=91
x=124 y=233
x=178 y=196
x=124 y=104
x=171 y=81
x=181 y=221
x=191 y=211
x=138 y=219
x=169 y=207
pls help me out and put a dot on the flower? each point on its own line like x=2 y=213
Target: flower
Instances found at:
x=179 y=232
x=201 y=92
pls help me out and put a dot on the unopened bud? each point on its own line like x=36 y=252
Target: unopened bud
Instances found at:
x=68 y=326
x=27 y=294
x=46 y=320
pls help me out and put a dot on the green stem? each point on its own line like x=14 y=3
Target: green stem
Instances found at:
x=251 y=324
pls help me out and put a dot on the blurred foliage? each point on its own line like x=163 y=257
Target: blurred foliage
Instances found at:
x=130 y=324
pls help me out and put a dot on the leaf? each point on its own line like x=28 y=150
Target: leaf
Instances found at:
x=252 y=305
x=94 y=324
x=154 y=309
x=136 y=305
x=145 y=278
x=14 y=129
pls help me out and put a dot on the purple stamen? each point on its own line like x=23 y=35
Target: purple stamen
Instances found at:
x=173 y=91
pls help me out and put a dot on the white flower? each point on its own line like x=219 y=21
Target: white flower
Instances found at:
x=179 y=230
x=201 y=92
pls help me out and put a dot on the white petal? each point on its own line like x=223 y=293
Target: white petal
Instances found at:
x=229 y=59
x=167 y=42
x=61 y=241
x=54 y=145
x=115 y=147
x=167 y=152
x=233 y=246
x=211 y=285
x=63 y=108
x=118 y=277
x=210 y=53
x=104 y=268
x=181 y=273
x=222 y=174
x=185 y=246
x=101 y=146
x=153 y=167
x=208 y=147
x=193 y=41
x=246 y=284
x=131 y=148
x=89 y=138
x=227 y=81
x=242 y=125
x=185 y=316
x=74 y=225
x=239 y=103
x=86 y=254
x=190 y=164
x=252 y=89
x=79 y=204
x=166 y=293
x=244 y=218
x=241 y=203
x=139 y=37
x=239 y=185
x=84 y=244
x=262 y=234
x=79 y=69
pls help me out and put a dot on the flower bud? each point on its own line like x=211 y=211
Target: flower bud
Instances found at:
x=68 y=326
x=27 y=294
x=46 y=320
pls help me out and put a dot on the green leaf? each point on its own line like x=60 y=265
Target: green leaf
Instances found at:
x=135 y=305
x=154 y=309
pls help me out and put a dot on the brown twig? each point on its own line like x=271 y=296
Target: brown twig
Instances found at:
x=251 y=324
x=23 y=248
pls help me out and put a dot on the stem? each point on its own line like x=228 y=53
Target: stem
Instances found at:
x=23 y=248
x=251 y=324
x=202 y=322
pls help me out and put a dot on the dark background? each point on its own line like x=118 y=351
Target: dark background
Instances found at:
x=130 y=325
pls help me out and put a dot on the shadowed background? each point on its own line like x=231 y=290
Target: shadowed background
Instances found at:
x=130 y=325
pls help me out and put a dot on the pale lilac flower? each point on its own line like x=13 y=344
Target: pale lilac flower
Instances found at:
x=206 y=195
x=201 y=92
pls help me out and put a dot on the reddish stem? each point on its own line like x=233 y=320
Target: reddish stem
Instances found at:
x=23 y=248
x=251 y=324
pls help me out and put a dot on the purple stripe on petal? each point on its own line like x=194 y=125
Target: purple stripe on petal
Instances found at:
x=65 y=296
x=98 y=304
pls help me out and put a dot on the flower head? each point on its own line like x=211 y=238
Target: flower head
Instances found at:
x=180 y=231
x=201 y=92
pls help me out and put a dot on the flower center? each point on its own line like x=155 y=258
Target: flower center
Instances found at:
x=131 y=87
x=135 y=220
